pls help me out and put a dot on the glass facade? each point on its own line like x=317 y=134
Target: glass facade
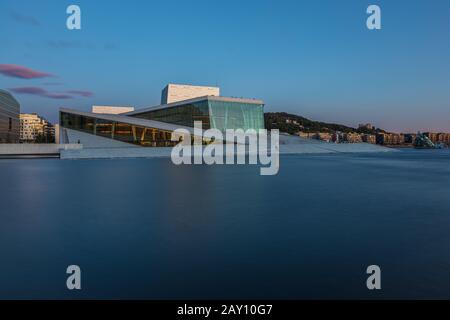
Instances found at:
x=183 y=115
x=125 y=132
x=236 y=115
x=216 y=114
x=9 y=118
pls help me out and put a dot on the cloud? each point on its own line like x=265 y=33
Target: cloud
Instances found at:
x=15 y=71
x=81 y=93
x=40 y=92
x=53 y=83
x=64 y=44
x=29 y=20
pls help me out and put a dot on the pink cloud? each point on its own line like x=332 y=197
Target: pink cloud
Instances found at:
x=81 y=93
x=16 y=71
x=58 y=96
x=40 y=92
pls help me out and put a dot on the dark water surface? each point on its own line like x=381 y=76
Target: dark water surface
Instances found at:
x=148 y=229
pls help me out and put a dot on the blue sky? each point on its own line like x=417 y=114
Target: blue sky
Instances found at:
x=312 y=58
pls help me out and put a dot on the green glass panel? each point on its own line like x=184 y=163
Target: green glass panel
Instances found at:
x=236 y=115
x=183 y=115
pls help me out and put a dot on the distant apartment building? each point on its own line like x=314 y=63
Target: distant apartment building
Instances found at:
x=410 y=138
x=34 y=128
x=352 y=137
x=335 y=137
x=432 y=136
x=438 y=137
x=307 y=135
x=339 y=137
x=9 y=118
x=390 y=139
x=443 y=138
x=324 y=136
x=369 y=138
x=181 y=92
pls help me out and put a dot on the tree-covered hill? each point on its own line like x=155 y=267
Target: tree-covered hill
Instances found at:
x=292 y=124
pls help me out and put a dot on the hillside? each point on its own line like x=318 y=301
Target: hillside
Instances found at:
x=292 y=124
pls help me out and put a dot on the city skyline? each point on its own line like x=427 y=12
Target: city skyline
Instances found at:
x=311 y=59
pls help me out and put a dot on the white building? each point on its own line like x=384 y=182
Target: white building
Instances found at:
x=32 y=125
x=180 y=92
x=111 y=109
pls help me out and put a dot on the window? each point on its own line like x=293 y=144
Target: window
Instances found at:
x=124 y=132
x=184 y=115
x=10 y=124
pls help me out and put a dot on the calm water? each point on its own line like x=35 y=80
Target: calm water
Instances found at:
x=148 y=229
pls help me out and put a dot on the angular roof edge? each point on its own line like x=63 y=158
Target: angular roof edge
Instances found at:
x=179 y=103
x=130 y=120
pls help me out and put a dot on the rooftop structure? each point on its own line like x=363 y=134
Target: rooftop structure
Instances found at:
x=111 y=109
x=179 y=92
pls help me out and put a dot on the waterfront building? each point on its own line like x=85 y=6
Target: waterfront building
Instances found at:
x=9 y=118
x=335 y=137
x=339 y=137
x=34 y=128
x=432 y=136
x=324 y=136
x=380 y=138
x=369 y=138
x=443 y=138
x=352 y=137
x=153 y=126
x=390 y=139
x=307 y=135
x=410 y=138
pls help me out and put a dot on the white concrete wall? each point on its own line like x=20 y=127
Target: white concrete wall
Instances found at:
x=57 y=134
x=178 y=92
x=91 y=141
x=111 y=109
x=36 y=149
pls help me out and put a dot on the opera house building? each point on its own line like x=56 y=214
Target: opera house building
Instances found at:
x=153 y=127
